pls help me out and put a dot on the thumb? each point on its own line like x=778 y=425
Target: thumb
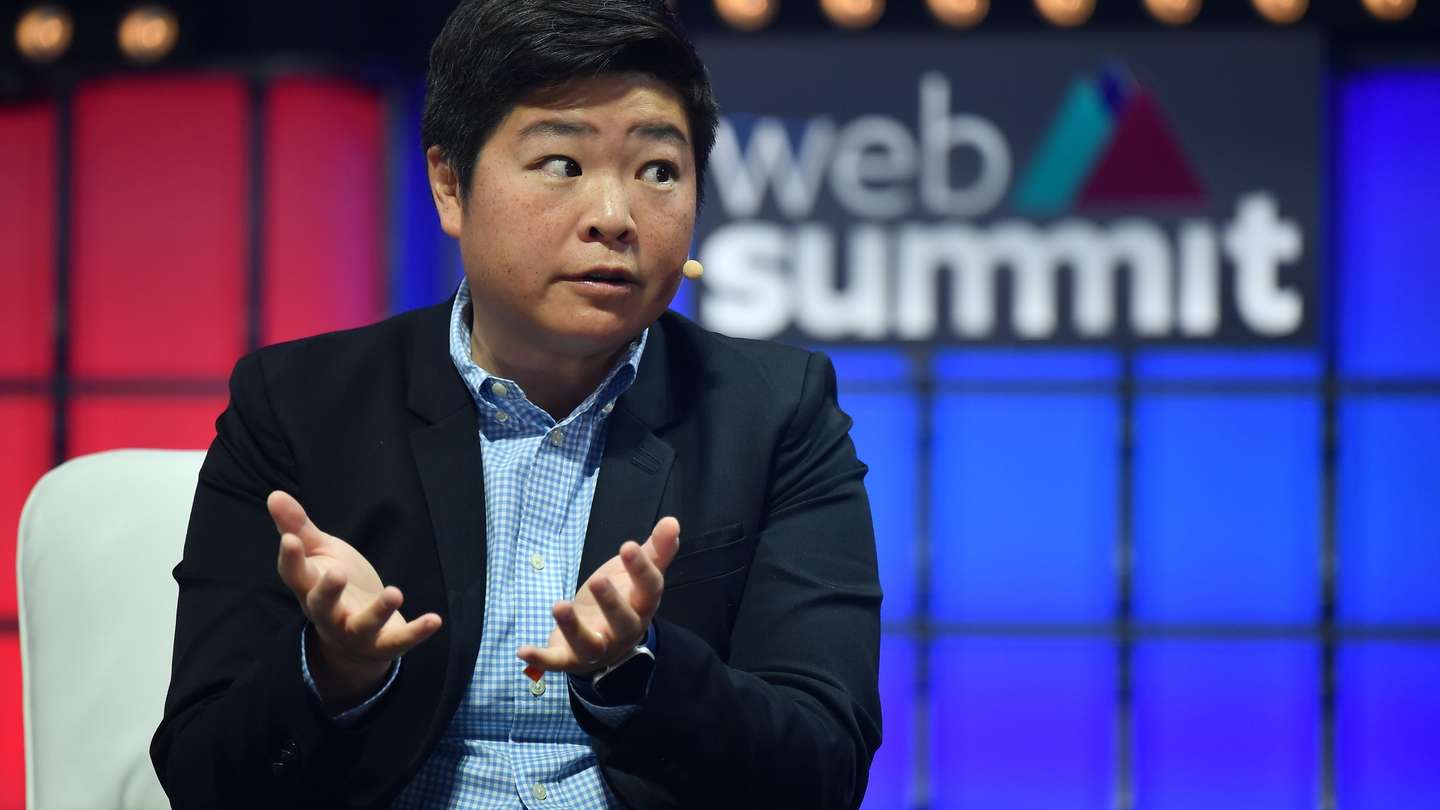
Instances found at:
x=290 y=517
x=664 y=542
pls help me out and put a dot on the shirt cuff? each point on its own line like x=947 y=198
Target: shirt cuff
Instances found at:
x=612 y=715
x=350 y=716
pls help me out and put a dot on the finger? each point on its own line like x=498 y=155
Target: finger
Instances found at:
x=540 y=660
x=322 y=603
x=624 y=622
x=298 y=573
x=393 y=643
x=649 y=582
x=664 y=542
x=289 y=516
x=588 y=644
x=365 y=624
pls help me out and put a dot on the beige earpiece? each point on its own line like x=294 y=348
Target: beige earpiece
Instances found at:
x=693 y=270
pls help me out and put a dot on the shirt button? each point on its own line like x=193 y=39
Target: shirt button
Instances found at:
x=499 y=389
x=537 y=562
x=557 y=437
x=609 y=406
x=501 y=416
x=538 y=791
x=537 y=688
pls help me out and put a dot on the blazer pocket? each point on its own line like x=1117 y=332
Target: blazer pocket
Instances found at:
x=715 y=553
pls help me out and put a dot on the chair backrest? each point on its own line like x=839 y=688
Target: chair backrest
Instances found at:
x=98 y=539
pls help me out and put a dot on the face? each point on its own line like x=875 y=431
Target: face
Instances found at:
x=578 y=218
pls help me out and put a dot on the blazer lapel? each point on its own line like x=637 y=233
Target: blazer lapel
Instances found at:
x=636 y=464
x=452 y=476
x=633 y=473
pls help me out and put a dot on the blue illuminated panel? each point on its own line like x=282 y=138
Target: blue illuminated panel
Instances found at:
x=424 y=262
x=1249 y=365
x=1227 y=508
x=884 y=435
x=1025 y=507
x=1010 y=365
x=1389 y=291
x=891 y=773
x=1230 y=724
x=1389 y=510
x=1023 y=723
x=1388 y=726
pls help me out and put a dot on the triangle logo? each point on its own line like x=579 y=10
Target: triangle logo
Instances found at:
x=1142 y=164
x=1109 y=145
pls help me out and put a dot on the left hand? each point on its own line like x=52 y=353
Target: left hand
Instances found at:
x=611 y=612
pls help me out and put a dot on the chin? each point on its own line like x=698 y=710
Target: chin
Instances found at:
x=592 y=336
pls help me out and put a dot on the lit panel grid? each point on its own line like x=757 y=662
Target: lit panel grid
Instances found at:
x=1023 y=723
x=1025 y=507
x=868 y=366
x=1227 y=508
x=884 y=436
x=160 y=234
x=1388 y=290
x=173 y=423
x=1232 y=724
x=1012 y=365
x=323 y=199
x=892 y=772
x=1388 y=510
x=1387 y=722
x=27 y=230
x=26 y=448
x=12 y=728
x=1236 y=365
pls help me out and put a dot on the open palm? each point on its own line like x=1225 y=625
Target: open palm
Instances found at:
x=355 y=615
x=612 y=610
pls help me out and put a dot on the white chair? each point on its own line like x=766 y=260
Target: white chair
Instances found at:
x=98 y=538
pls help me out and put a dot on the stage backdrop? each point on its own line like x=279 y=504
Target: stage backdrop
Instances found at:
x=1139 y=340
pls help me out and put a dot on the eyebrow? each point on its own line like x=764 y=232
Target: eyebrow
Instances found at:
x=650 y=130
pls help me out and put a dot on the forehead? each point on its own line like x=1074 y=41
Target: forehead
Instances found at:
x=610 y=100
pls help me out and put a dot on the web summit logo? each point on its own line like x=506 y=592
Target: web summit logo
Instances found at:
x=1108 y=197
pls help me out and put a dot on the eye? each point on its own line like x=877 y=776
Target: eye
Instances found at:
x=558 y=166
x=661 y=173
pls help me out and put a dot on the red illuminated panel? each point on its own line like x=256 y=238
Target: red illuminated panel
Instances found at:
x=27 y=230
x=12 y=725
x=160 y=185
x=323 y=208
x=173 y=423
x=26 y=448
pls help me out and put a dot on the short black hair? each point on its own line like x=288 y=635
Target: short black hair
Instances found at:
x=492 y=53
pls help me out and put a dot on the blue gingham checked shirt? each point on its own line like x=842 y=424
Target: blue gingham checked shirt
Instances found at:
x=512 y=743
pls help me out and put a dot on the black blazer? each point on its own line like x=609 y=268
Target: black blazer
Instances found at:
x=764 y=693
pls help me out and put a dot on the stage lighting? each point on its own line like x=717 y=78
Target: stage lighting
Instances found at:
x=746 y=15
x=959 y=13
x=853 y=13
x=148 y=33
x=1173 y=12
x=43 y=33
x=1066 y=13
x=1282 y=11
x=1390 y=10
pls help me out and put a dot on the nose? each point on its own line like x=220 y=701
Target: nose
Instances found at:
x=607 y=215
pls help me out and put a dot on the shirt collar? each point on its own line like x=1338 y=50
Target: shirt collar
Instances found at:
x=480 y=381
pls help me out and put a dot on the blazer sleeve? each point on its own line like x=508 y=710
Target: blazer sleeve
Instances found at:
x=792 y=719
x=240 y=727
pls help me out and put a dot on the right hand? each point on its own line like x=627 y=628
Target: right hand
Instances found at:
x=358 y=630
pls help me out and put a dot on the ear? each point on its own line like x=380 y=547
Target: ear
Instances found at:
x=445 y=190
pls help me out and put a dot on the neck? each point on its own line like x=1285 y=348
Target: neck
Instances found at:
x=555 y=384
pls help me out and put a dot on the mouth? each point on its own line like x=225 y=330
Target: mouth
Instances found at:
x=605 y=276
